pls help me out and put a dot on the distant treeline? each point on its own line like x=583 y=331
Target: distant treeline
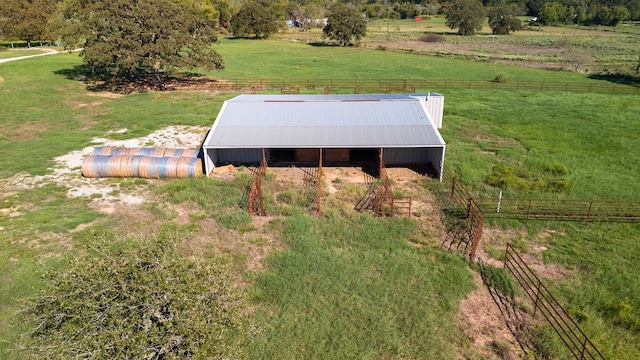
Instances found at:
x=31 y=20
x=583 y=12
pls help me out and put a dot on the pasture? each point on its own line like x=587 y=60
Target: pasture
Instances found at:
x=348 y=285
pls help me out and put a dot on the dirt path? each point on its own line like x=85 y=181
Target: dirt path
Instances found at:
x=47 y=51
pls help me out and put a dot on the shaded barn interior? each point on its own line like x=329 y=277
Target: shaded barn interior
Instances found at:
x=351 y=130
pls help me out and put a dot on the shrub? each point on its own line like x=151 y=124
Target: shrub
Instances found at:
x=432 y=38
x=550 y=178
x=501 y=78
x=133 y=299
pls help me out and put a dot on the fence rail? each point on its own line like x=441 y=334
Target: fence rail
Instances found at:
x=560 y=209
x=357 y=86
x=474 y=214
x=546 y=304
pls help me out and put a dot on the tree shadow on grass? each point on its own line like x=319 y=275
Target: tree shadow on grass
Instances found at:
x=321 y=44
x=618 y=78
x=78 y=73
x=170 y=82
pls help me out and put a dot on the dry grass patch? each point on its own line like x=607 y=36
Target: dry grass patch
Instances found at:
x=484 y=324
x=27 y=130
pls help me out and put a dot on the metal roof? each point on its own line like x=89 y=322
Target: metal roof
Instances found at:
x=328 y=121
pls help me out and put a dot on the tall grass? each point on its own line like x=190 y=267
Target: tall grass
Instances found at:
x=354 y=288
x=589 y=134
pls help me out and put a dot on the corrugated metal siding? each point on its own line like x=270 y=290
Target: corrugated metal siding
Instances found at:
x=434 y=105
x=239 y=156
x=436 y=157
x=394 y=156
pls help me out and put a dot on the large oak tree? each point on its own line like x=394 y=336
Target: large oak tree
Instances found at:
x=345 y=24
x=254 y=19
x=132 y=39
x=26 y=20
x=465 y=15
x=503 y=20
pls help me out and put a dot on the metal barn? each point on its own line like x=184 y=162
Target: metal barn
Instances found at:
x=350 y=130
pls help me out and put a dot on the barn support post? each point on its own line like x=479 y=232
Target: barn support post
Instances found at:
x=263 y=172
x=319 y=211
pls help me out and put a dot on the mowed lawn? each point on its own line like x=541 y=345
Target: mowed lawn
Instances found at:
x=353 y=276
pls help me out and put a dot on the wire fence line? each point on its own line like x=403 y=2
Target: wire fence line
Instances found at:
x=544 y=303
x=477 y=208
x=584 y=210
x=357 y=86
x=560 y=209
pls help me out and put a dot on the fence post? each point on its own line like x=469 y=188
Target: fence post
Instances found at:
x=469 y=202
x=319 y=210
x=589 y=213
x=528 y=212
x=584 y=348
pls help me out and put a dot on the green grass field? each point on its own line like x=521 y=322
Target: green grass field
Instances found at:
x=343 y=286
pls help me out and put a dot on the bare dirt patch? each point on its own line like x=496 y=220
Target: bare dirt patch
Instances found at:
x=484 y=325
x=108 y=95
x=106 y=193
x=498 y=238
x=79 y=104
x=545 y=57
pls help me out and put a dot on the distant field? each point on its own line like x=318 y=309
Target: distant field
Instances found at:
x=609 y=49
x=292 y=60
x=47 y=113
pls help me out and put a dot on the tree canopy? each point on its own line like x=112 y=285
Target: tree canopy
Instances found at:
x=465 y=15
x=344 y=24
x=254 y=19
x=134 y=299
x=136 y=38
x=27 y=20
x=503 y=20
